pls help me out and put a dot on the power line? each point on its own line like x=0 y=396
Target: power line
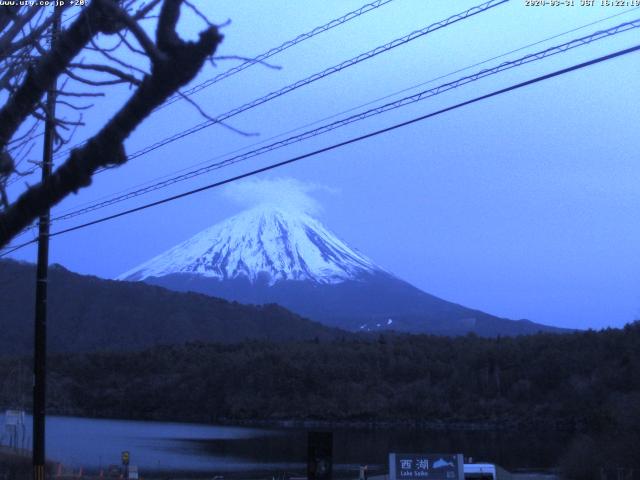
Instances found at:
x=274 y=51
x=66 y=151
x=586 y=40
x=110 y=200
x=335 y=146
x=266 y=55
x=320 y=75
x=370 y=102
x=17 y=247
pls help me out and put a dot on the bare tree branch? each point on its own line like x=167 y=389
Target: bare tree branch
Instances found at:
x=79 y=94
x=143 y=11
x=179 y=63
x=10 y=48
x=114 y=59
x=101 y=83
x=107 y=69
x=7 y=38
x=209 y=117
x=246 y=59
x=141 y=36
x=49 y=67
x=198 y=13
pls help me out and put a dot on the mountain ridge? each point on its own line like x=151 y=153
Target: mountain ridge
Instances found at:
x=271 y=255
x=87 y=313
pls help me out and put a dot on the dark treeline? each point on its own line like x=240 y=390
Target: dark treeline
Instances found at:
x=586 y=381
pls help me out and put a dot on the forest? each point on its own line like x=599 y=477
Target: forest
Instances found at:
x=585 y=381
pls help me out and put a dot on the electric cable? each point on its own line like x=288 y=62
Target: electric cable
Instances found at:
x=280 y=48
x=586 y=40
x=370 y=102
x=315 y=77
x=350 y=141
x=264 y=56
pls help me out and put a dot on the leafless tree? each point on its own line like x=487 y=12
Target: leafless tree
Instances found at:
x=115 y=33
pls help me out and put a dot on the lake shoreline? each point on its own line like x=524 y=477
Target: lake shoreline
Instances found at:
x=235 y=448
x=498 y=426
x=372 y=425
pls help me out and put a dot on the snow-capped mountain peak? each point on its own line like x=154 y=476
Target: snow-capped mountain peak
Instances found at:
x=264 y=243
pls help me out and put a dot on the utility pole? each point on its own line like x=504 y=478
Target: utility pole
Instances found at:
x=40 y=347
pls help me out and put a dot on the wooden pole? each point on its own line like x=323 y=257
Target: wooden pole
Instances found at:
x=40 y=346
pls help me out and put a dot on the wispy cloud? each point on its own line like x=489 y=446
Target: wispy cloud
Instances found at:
x=288 y=193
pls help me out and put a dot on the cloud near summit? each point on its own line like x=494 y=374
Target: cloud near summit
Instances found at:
x=284 y=192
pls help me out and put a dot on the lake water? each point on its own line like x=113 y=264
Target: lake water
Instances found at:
x=162 y=446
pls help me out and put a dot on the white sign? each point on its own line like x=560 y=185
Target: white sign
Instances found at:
x=133 y=472
x=426 y=466
x=14 y=417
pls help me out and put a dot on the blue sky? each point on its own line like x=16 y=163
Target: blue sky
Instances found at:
x=524 y=205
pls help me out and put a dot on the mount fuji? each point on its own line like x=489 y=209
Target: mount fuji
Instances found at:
x=270 y=254
x=264 y=245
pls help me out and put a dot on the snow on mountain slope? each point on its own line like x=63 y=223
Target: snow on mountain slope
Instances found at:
x=273 y=255
x=265 y=242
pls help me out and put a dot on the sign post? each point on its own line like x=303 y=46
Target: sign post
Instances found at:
x=319 y=455
x=426 y=466
x=125 y=462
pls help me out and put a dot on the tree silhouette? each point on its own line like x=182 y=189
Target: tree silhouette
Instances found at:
x=31 y=64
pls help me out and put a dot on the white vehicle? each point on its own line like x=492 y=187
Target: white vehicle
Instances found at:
x=485 y=471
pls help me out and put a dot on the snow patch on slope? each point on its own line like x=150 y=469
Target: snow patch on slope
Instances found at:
x=264 y=242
